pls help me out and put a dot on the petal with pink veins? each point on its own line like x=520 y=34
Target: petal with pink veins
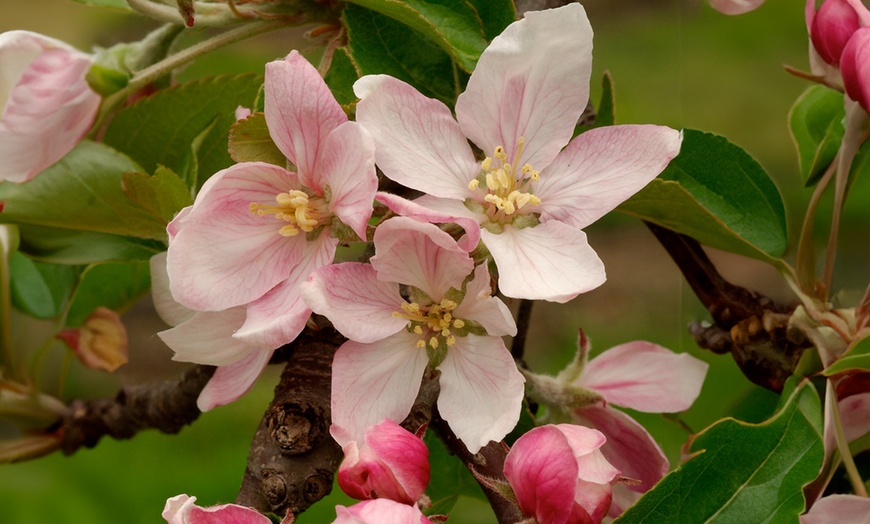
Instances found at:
x=842 y=509
x=224 y=255
x=207 y=338
x=480 y=372
x=480 y=306
x=348 y=168
x=280 y=315
x=230 y=382
x=645 y=376
x=438 y=211
x=601 y=168
x=182 y=509
x=371 y=382
x=527 y=85
x=418 y=143
x=300 y=112
x=359 y=305
x=421 y=255
x=551 y=261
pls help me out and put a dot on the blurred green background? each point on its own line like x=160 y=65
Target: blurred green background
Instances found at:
x=674 y=62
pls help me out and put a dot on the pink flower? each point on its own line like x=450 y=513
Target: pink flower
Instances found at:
x=182 y=509
x=447 y=319
x=559 y=475
x=842 y=509
x=392 y=463
x=735 y=7
x=832 y=25
x=46 y=107
x=379 y=511
x=530 y=198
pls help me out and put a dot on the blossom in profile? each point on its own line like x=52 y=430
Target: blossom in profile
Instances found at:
x=46 y=106
x=558 y=474
x=530 y=198
x=420 y=304
x=182 y=509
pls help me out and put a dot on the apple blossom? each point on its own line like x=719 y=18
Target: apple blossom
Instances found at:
x=528 y=199
x=638 y=375
x=559 y=475
x=390 y=463
x=46 y=106
x=447 y=320
x=182 y=509
x=379 y=511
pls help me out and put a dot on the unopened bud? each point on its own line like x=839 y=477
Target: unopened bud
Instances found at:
x=832 y=26
x=101 y=343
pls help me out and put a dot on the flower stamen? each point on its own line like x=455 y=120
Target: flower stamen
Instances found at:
x=301 y=211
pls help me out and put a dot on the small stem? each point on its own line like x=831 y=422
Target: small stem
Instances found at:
x=842 y=445
x=153 y=72
x=524 y=316
x=806 y=255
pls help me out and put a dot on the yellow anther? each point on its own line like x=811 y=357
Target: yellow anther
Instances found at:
x=492 y=182
x=534 y=200
x=458 y=323
x=288 y=231
x=433 y=342
x=474 y=184
x=418 y=330
x=451 y=340
x=535 y=175
x=421 y=344
x=486 y=165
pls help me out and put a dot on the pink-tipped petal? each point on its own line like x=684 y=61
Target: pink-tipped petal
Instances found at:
x=348 y=168
x=380 y=511
x=371 y=382
x=480 y=306
x=480 y=372
x=629 y=447
x=541 y=469
x=167 y=308
x=224 y=255
x=646 y=377
x=421 y=255
x=230 y=382
x=359 y=305
x=438 y=211
x=527 y=85
x=280 y=315
x=839 y=509
x=587 y=451
x=182 y=509
x=419 y=144
x=551 y=261
x=601 y=168
x=207 y=338
x=300 y=112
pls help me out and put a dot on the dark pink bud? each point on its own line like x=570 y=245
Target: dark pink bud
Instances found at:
x=855 y=67
x=833 y=24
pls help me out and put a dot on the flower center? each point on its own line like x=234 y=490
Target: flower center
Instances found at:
x=508 y=188
x=301 y=211
x=432 y=323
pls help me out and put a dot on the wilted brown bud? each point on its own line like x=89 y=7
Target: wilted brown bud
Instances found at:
x=101 y=343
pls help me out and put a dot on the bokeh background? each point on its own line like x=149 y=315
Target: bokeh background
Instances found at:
x=674 y=62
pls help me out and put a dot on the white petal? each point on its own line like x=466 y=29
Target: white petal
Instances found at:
x=480 y=306
x=167 y=308
x=207 y=338
x=231 y=382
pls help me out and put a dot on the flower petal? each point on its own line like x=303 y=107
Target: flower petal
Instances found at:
x=223 y=255
x=348 y=168
x=438 y=211
x=371 y=382
x=231 y=382
x=207 y=338
x=586 y=443
x=646 y=377
x=551 y=261
x=280 y=315
x=735 y=7
x=533 y=82
x=359 y=305
x=842 y=509
x=480 y=372
x=167 y=308
x=421 y=255
x=629 y=447
x=418 y=143
x=181 y=509
x=601 y=168
x=404 y=453
x=300 y=112
x=480 y=306
x=380 y=511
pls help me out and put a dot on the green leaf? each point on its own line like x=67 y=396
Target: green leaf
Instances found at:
x=606 y=111
x=448 y=479
x=115 y=285
x=856 y=358
x=453 y=25
x=65 y=246
x=381 y=45
x=716 y=193
x=343 y=72
x=83 y=191
x=816 y=124
x=159 y=129
x=162 y=195
x=250 y=141
x=37 y=288
x=495 y=14
x=743 y=472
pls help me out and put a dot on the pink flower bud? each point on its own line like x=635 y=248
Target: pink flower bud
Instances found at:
x=182 y=510
x=46 y=106
x=392 y=463
x=379 y=511
x=833 y=24
x=558 y=474
x=101 y=343
x=855 y=67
